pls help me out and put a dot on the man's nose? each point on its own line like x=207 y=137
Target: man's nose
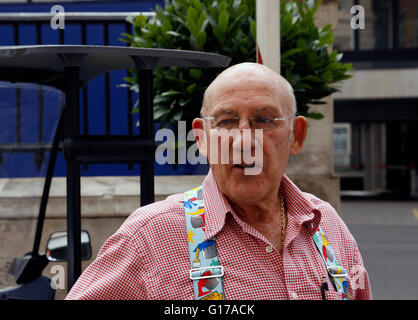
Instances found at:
x=244 y=123
x=244 y=139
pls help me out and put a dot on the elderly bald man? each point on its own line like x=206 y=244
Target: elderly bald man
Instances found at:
x=240 y=235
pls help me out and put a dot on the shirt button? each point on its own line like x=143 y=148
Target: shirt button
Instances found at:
x=295 y=295
x=269 y=249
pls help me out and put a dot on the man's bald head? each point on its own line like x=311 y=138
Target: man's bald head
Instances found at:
x=254 y=74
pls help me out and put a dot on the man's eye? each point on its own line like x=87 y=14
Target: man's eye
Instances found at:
x=262 y=120
x=225 y=122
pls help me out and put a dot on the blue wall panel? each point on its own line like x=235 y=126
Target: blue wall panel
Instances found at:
x=96 y=88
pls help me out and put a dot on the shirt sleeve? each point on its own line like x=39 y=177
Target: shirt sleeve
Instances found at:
x=360 y=283
x=115 y=273
x=341 y=237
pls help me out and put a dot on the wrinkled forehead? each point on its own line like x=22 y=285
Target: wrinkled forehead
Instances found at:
x=261 y=81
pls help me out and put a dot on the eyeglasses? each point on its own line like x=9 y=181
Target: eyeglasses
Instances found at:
x=264 y=122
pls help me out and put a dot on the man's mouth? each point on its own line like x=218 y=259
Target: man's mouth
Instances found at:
x=243 y=166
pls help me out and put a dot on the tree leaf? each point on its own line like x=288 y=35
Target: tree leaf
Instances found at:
x=312 y=78
x=191 y=88
x=291 y=52
x=195 y=73
x=223 y=21
x=160 y=112
x=326 y=39
x=170 y=93
x=200 y=40
x=191 y=20
x=253 y=29
x=315 y=115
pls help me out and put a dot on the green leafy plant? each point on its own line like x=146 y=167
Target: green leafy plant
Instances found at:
x=224 y=27
x=307 y=61
x=228 y=27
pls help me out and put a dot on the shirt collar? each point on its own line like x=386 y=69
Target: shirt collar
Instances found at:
x=216 y=206
x=300 y=208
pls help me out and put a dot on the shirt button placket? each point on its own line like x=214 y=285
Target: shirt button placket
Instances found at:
x=289 y=270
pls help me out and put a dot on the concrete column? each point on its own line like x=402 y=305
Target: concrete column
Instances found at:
x=313 y=168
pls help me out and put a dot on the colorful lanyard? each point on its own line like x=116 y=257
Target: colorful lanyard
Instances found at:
x=206 y=273
x=338 y=273
x=205 y=270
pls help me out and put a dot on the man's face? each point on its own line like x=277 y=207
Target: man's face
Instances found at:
x=245 y=96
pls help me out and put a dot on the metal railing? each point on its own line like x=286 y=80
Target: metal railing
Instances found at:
x=84 y=20
x=39 y=147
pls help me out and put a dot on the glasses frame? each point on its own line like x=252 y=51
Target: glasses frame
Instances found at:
x=293 y=115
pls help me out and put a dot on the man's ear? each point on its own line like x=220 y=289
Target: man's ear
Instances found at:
x=300 y=129
x=200 y=136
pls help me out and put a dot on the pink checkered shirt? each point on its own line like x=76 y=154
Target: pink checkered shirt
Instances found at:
x=147 y=258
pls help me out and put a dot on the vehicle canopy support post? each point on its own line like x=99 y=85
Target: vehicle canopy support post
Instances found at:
x=47 y=187
x=146 y=127
x=72 y=131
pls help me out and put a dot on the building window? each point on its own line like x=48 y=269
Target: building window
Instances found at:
x=343 y=32
x=378 y=25
x=389 y=24
x=408 y=23
x=342 y=145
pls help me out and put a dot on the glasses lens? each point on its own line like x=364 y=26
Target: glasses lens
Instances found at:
x=225 y=122
x=264 y=121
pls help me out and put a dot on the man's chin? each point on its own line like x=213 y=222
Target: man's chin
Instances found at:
x=244 y=194
x=239 y=186
x=243 y=184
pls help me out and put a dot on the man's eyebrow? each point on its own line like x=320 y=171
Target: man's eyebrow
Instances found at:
x=222 y=111
x=267 y=108
x=273 y=111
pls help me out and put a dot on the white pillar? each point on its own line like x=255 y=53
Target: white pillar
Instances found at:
x=268 y=33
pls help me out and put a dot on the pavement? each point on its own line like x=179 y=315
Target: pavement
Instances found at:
x=387 y=236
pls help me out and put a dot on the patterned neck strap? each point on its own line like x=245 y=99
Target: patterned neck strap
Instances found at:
x=337 y=273
x=207 y=274
x=205 y=270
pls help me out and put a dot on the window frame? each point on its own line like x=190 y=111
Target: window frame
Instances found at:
x=394 y=56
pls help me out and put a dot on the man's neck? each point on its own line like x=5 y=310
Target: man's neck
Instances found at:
x=265 y=217
x=260 y=213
